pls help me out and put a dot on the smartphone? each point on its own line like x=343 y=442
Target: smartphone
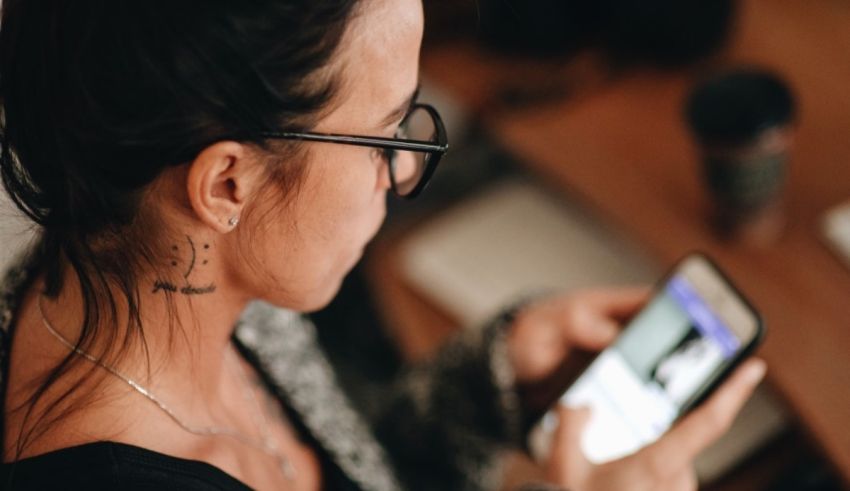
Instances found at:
x=695 y=329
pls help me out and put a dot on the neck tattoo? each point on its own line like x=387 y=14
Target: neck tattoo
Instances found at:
x=186 y=259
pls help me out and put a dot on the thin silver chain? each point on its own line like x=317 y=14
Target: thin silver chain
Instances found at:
x=267 y=446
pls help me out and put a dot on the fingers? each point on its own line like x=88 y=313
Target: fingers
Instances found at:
x=686 y=480
x=619 y=303
x=592 y=331
x=571 y=425
x=707 y=423
x=545 y=331
x=568 y=465
x=597 y=315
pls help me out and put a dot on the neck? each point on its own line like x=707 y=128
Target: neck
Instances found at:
x=187 y=321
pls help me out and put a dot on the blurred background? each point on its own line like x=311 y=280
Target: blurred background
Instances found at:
x=574 y=163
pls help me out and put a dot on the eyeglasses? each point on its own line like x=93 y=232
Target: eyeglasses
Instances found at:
x=412 y=156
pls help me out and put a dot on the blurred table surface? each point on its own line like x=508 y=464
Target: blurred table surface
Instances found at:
x=622 y=150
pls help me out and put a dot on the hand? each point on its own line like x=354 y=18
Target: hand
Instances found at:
x=667 y=464
x=545 y=332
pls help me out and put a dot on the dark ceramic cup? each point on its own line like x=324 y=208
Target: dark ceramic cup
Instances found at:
x=743 y=122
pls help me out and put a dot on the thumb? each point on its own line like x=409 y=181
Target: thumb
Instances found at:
x=567 y=463
x=571 y=425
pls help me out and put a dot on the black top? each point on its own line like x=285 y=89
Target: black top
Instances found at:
x=110 y=465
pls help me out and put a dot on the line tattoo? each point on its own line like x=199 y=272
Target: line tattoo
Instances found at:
x=166 y=286
x=160 y=285
x=192 y=262
x=188 y=288
x=192 y=290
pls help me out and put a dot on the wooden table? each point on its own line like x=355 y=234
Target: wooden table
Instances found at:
x=623 y=150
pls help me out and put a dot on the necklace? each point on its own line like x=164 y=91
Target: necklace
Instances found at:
x=267 y=445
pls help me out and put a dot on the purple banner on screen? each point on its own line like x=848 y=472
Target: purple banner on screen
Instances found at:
x=705 y=321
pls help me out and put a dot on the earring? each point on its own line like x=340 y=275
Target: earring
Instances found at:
x=234 y=221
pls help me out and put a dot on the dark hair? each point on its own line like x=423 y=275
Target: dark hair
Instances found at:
x=99 y=97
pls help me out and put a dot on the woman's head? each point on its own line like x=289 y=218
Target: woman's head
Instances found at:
x=133 y=132
x=131 y=125
x=339 y=205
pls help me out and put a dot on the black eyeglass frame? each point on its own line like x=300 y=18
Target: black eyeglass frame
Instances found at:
x=435 y=149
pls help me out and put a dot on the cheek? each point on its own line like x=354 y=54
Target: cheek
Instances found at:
x=349 y=203
x=322 y=232
x=346 y=191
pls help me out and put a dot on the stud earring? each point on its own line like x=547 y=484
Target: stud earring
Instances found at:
x=234 y=221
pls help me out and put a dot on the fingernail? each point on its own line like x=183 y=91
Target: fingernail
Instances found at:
x=756 y=371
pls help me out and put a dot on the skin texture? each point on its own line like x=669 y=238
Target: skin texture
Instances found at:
x=293 y=256
x=666 y=465
x=546 y=332
x=296 y=256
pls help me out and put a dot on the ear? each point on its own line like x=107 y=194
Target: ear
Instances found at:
x=220 y=180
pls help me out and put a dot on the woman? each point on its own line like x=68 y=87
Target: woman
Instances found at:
x=178 y=158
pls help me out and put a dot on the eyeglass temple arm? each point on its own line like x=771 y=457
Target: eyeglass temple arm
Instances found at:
x=362 y=141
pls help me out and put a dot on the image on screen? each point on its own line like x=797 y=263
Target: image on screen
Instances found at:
x=638 y=387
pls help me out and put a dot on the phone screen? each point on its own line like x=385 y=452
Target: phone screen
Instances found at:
x=664 y=360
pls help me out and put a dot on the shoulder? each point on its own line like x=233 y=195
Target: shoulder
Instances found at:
x=109 y=465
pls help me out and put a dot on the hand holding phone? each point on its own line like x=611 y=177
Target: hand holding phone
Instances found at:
x=690 y=335
x=666 y=464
